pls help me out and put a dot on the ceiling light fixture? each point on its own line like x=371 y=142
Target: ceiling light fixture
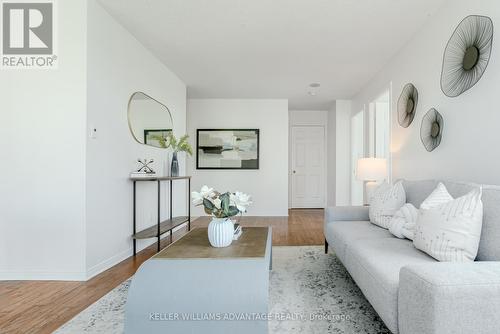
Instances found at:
x=313 y=87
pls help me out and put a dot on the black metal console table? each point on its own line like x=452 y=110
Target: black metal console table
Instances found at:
x=162 y=227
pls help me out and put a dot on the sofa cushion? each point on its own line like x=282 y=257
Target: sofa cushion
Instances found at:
x=375 y=264
x=339 y=234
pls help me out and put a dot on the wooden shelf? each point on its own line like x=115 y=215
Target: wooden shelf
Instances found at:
x=159 y=178
x=165 y=226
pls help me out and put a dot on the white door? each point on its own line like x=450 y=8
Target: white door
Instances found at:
x=308 y=167
x=357 y=152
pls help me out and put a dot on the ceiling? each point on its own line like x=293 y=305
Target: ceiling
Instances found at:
x=274 y=48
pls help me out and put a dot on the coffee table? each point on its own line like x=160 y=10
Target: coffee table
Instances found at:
x=191 y=287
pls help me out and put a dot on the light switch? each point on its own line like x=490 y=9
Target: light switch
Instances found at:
x=93 y=132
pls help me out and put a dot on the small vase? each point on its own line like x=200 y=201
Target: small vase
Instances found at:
x=174 y=167
x=220 y=232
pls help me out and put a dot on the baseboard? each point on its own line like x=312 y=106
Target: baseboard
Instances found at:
x=41 y=276
x=106 y=264
x=115 y=259
x=77 y=276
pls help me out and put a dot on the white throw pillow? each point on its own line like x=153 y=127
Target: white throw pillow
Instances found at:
x=386 y=201
x=439 y=196
x=403 y=222
x=451 y=232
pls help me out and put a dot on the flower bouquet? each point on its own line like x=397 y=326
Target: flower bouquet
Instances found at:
x=221 y=206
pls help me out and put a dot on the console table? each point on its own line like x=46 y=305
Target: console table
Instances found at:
x=192 y=287
x=161 y=227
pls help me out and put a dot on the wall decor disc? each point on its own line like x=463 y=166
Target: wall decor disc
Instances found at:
x=466 y=55
x=431 y=129
x=407 y=105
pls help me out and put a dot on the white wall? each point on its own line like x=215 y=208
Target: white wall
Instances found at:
x=269 y=184
x=65 y=199
x=115 y=71
x=467 y=151
x=343 y=152
x=42 y=138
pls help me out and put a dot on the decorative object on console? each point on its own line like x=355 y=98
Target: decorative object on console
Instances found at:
x=387 y=200
x=144 y=170
x=181 y=145
x=407 y=105
x=227 y=149
x=466 y=55
x=431 y=129
x=451 y=231
x=371 y=170
x=221 y=207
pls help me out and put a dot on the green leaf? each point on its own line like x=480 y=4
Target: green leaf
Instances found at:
x=225 y=202
x=233 y=211
x=207 y=211
x=209 y=205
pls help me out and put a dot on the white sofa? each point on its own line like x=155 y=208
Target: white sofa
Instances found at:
x=412 y=292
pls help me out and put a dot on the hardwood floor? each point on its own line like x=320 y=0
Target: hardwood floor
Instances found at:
x=43 y=306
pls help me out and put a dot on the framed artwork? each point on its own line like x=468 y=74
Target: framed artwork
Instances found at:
x=227 y=149
x=150 y=133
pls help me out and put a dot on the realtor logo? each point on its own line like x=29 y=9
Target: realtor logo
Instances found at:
x=28 y=34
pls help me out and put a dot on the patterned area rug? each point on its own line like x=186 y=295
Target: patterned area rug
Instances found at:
x=312 y=292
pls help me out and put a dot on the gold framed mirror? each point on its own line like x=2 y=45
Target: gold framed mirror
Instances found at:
x=148 y=119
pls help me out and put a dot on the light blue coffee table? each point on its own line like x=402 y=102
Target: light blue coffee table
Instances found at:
x=191 y=287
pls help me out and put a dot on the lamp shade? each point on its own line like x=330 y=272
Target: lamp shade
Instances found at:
x=371 y=169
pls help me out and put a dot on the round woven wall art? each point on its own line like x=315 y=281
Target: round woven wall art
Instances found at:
x=431 y=129
x=407 y=105
x=466 y=55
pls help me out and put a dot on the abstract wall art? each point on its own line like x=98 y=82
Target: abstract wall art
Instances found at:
x=466 y=55
x=431 y=129
x=227 y=149
x=407 y=105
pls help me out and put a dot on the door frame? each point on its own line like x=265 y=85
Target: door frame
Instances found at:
x=290 y=167
x=362 y=118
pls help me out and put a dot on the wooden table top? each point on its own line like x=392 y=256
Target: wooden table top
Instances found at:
x=195 y=245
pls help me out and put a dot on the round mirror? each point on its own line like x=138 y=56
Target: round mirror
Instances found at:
x=148 y=119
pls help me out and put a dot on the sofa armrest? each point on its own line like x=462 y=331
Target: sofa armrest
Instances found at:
x=449 y=298
x=346 y=213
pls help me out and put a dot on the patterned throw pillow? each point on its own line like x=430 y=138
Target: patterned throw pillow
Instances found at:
x=439 y=196
x=386 y=201
x=451 y=232
x=403 y=223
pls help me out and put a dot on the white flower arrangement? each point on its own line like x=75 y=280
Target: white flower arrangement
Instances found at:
x=221 y=205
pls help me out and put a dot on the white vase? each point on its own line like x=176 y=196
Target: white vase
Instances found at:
x=220 y=232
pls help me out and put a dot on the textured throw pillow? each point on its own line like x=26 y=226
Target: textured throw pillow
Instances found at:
x=439 y=196
x=451 y=231
x=403 y=222
x=386 y=201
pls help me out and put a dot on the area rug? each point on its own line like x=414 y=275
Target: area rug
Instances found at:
x=310 y=291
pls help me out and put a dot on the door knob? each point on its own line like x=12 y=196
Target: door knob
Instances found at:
x=294 y=172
